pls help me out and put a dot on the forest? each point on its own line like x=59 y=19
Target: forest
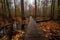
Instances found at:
x=16 y=15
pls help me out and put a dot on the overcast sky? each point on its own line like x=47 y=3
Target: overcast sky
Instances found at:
x=29 y=1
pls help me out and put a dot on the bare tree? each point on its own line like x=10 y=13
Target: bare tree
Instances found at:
x=25 y=7
x=39 y=11
x=35 y=8
x=22 y=9
x=43 y=3
x=8 y=7
x=59 y=10
x=52 y=9
x=22 y=14
x=15 y=7
x=58 y=2
x=10 y=19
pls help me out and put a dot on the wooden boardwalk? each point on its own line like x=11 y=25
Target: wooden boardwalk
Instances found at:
x=33 y=32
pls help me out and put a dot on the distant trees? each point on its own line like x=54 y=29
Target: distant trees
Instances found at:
x=5 y=8
x=8 y=3
x=28 y=9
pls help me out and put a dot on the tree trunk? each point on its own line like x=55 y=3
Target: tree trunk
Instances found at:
x=8 y=7
x=11 y=20
x=35 y=8
x=15 y=7
x=52 y=9
x=22 y=14
x=59 y=10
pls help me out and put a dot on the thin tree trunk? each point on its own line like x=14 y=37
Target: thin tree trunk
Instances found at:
x=22 y=14
x=35 y=8
x=3 y=9
x=52 y=9
x=58 y=2
x=46 y=7
x=8 y=9
x=43 y=9
x=10 y=19
x=23 y=17
x=58 y=10
x=15 y=7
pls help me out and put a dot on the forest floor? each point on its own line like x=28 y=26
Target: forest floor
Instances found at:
x=50 y=27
